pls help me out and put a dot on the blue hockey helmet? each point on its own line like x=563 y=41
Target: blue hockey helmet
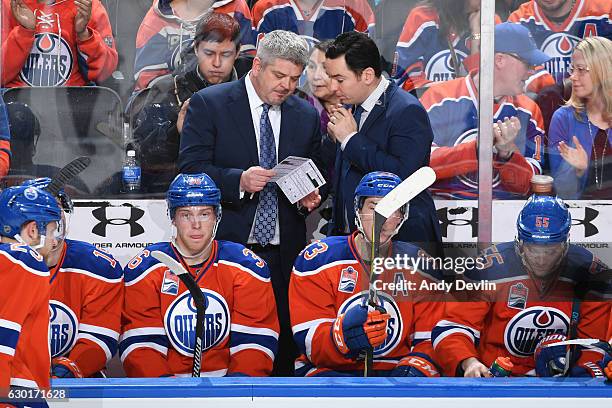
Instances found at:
x=43 y=183
x=21 y=204
x=375 y=184
x=193 y=190
x=544 y=219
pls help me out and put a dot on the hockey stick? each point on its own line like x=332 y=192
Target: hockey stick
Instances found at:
x=419 y=181
x=67 y=173
x=198 y=300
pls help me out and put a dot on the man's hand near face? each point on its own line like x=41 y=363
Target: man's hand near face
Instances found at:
x=341 y=123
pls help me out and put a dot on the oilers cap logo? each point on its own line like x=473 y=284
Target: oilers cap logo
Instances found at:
x=49 y=63
x=525 y=330
x=440 y=67
x=180 y=322
x=63 y=328
x=395 y=325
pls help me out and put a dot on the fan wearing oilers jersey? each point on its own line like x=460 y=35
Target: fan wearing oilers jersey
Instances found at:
x=240 y=324
x=328 y=291
x=56 y=43
x=28 y=221
x=557 y=26
x=86 y=301
x=546 y=291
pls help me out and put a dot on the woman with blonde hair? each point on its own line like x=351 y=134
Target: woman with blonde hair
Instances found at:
x=579 y=135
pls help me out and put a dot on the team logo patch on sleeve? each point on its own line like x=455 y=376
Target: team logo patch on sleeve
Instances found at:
x=517 y=297
x=348 y=280
x=170 y=284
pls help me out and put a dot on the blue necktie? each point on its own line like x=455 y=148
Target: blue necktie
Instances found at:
x=265 y=217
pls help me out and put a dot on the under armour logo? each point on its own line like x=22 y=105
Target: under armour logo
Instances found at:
x=589 y=228
x=135 y=215
x=445 y=222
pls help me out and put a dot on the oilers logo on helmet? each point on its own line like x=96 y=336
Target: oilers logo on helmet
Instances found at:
x=525 y=330
x=30 y=193
x=395 y=325
x=49 y=63
x=559 y=47
x=441 y=68
x=63 y=328
x=180 y=321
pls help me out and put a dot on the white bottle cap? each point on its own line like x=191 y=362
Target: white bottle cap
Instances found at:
x=131 y=153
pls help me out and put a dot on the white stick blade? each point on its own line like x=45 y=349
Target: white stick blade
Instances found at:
x=419 y=181
x=170 y=262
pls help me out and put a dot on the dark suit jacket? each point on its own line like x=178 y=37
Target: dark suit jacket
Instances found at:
x=218 y=139
x=396 y=137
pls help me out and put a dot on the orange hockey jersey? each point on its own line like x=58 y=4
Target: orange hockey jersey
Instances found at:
x=86 y=302
x=510 y=320
x=240 y=329
x=328 y=279
x=51 y=54
x=24 y=318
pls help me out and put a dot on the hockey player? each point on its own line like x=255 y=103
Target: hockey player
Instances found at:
x=241 y=327
x=558 y=25
x=86 y=301
x=168 y=29
x=545 y=290
x=53 y=43
x=313 y=20
x=518 y=128
x=28 y=221
x=331 y=325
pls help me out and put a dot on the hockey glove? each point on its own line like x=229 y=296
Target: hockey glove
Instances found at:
x=358 y=330
x=415 y=365
x=594 y=369
x=551 y=360
x=62 y=367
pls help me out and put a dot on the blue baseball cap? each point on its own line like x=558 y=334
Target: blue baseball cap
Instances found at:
x=513 y=38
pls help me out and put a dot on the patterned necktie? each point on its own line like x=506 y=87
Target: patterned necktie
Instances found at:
x=265 y=217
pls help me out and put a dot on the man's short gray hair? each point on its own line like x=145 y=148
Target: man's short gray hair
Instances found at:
x=285 y=45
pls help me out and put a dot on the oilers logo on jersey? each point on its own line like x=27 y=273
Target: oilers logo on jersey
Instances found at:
x=471 y=179
x=180 y=322
x=49 y=63
x=63 y=328
x=525 y=330
x=394 y=324
x=559 y=47
x=440 y=67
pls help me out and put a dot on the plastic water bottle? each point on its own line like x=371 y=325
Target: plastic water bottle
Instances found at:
x=131 y=172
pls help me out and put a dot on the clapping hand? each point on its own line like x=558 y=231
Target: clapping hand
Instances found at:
x=504 y=135
x=576 y=157
x=81 y=19
x=22 y=13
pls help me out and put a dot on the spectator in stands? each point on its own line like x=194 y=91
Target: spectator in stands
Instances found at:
x=314 y=20
x=386 y=130
x=5 y=140
x=517 y=129
x=557 y=26
x=160 y=109
x=580 y=136
x=236 y=132
x=437 y=36
x=56 y=43
x=503 y=8
x=169 y=27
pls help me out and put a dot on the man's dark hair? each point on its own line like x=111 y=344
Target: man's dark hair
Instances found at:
x=359 y=50
x=217 y=27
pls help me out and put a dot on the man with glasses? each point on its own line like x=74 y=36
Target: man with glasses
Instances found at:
x=241 y=327
x=518 y=134
x=331 y=320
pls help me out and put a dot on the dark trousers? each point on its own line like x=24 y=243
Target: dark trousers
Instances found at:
x=280 y=271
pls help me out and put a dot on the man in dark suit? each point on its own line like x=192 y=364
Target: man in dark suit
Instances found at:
x=387 y=129
x=236 y=132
